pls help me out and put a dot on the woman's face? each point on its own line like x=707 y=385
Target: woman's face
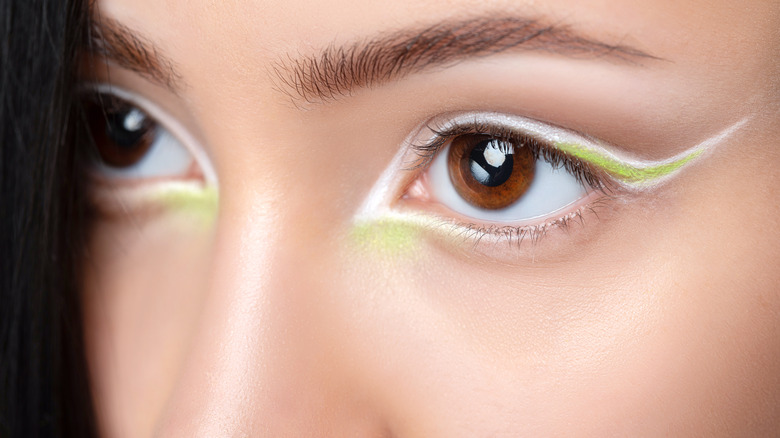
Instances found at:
x=304 y=224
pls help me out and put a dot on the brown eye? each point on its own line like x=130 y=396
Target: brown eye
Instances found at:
x=122 y=133
x=489 y=172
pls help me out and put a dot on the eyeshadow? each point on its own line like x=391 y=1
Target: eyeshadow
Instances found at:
x=386 y=236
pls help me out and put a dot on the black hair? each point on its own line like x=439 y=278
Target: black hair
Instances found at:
x=44 y=388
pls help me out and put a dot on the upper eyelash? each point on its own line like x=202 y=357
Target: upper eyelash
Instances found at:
x=591 y=161
x=585 y=173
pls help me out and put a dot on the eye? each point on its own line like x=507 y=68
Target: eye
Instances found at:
x=134 y=141
x=493 y=174
x=505 y=177
x=487 y=172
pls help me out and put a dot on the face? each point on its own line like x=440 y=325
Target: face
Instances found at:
x=439 y=218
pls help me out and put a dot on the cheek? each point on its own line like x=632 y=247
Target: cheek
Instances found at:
x=672 y=331
x=145 y=280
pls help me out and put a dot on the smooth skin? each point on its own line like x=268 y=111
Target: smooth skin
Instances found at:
x=658 y=316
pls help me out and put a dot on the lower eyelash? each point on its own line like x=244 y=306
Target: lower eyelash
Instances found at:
x=518 y=236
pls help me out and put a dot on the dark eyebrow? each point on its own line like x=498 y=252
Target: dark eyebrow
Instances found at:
x=337 y=71
x=114 y=41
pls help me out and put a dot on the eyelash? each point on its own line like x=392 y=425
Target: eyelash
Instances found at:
x=586 y=174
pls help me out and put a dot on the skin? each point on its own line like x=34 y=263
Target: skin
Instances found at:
x=657 y=316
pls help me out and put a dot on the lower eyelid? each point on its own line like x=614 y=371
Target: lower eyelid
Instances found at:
x=415 y=234
x=144 y=201
x=459 y=231
x=429 y=204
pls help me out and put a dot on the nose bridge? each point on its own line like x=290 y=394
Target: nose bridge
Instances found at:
x=219 y=381
x=260 y=361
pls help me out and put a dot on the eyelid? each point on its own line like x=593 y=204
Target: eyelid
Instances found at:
x=163 y=118
x=629 y=173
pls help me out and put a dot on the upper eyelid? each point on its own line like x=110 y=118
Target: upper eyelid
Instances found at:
x=162 y=117
x=629 y=173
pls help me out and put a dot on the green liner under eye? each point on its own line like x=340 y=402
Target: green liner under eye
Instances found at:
x=386 y=236
x=200 y=204
x=625 y=172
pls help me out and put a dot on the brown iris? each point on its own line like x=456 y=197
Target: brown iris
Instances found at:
x=122 y=133
x=489 y=172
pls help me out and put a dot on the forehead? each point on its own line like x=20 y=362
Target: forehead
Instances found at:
x=268 y=27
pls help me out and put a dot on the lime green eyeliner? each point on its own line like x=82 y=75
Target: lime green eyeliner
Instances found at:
x=628 y=172
x=625 y=172
x=380 y=226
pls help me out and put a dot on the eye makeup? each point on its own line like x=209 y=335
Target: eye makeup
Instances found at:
x=639 y=174
x=400 y=195
x=199 y=203
x=561 y=144
x=163 y=169
x=387 y=236
x=188 y=201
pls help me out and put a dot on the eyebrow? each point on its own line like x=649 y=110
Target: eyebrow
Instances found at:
x=116 y=42
x=339 y=70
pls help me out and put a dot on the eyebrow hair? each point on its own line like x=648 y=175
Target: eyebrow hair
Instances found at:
x=337 y=71
x=114 y=41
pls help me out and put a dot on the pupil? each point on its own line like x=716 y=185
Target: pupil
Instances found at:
x=491 y=162
x=126 y=128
